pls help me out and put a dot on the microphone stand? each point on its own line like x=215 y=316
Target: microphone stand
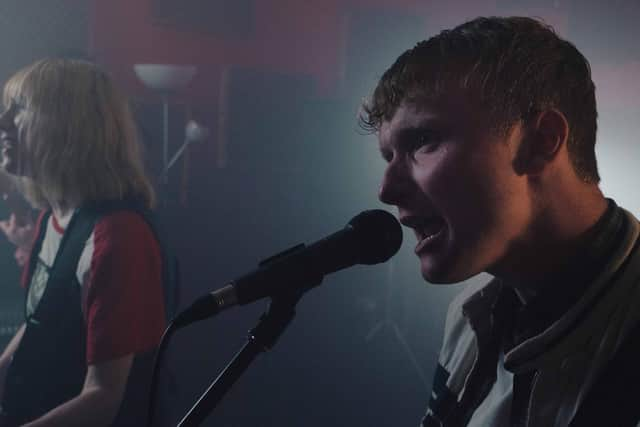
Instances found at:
x=261 y=338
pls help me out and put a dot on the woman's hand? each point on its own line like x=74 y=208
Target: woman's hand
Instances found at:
x=20 y=235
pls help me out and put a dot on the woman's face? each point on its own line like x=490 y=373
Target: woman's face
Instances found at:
x=12 y=139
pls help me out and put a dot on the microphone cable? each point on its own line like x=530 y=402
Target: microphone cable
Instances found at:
x=157 y=362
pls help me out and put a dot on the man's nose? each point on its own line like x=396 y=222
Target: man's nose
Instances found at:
x=396 y=184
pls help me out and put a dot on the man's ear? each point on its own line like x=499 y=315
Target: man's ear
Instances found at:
x=542 y=138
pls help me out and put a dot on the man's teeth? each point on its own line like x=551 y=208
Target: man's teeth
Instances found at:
x=431 y=228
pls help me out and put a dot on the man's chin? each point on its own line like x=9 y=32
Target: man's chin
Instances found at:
x=439 y=273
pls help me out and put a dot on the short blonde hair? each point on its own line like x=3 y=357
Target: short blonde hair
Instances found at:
x=81 y=142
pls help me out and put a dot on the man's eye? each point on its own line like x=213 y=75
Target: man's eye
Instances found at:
x=426 y=142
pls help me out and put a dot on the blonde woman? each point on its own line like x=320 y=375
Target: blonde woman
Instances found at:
x=94 y=303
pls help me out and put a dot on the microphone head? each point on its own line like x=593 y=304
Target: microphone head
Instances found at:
x=378 y=235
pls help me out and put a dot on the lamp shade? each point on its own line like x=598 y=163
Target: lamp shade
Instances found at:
x=165 y=76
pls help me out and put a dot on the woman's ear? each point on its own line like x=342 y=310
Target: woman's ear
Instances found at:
x=541 y=140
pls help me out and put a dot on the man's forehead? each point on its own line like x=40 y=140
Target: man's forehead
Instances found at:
x=407 y=116
x=452 y=110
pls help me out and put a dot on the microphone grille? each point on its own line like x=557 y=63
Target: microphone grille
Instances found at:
x=378 y=235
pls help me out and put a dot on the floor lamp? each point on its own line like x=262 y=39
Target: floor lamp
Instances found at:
x=166 y=79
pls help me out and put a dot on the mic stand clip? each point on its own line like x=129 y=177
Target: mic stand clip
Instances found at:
x=260 y=339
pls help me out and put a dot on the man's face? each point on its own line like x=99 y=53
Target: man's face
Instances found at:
x=454 y=184
x=12 y=124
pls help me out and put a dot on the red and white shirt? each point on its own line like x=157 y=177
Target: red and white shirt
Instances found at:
x=120 y=275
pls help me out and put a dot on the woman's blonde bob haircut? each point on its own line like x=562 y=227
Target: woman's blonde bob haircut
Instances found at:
x=80 y=139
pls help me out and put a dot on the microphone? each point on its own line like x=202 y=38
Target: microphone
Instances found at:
x=371 y=237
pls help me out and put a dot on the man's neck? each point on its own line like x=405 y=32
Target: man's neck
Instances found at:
x=554 y=240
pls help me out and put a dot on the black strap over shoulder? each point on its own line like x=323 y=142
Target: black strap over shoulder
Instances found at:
x=68 y=256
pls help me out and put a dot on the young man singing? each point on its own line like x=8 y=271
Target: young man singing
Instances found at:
x=488 y=131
